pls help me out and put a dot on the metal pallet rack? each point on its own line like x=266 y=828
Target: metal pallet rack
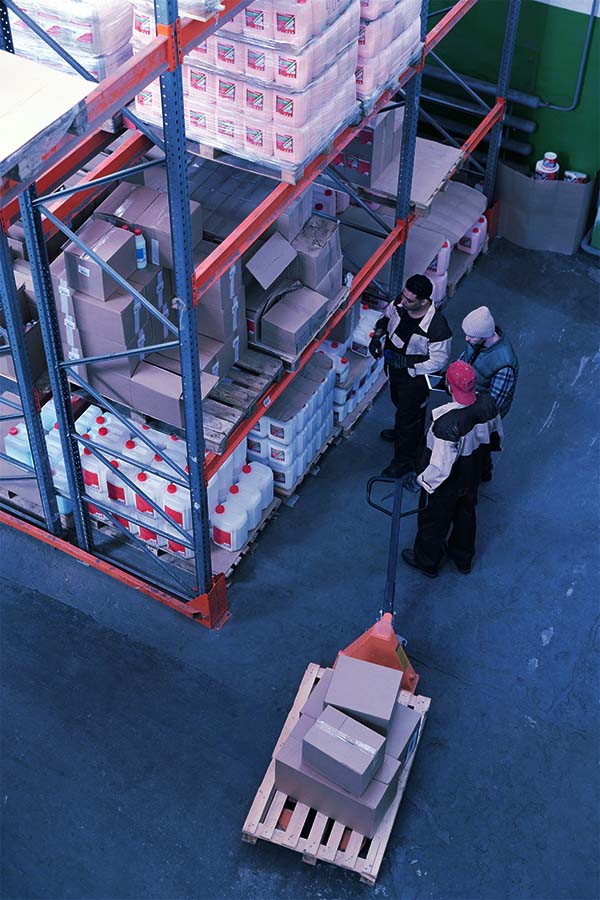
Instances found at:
x=197 y=593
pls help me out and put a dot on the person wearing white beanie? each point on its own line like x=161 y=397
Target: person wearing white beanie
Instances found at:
x=493 y=357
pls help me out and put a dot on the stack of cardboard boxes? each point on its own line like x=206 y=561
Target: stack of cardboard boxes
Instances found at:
x=372 y=150
x=351 y=745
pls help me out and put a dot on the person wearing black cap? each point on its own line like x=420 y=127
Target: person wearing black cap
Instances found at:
x=417 y=343
x=461 y=434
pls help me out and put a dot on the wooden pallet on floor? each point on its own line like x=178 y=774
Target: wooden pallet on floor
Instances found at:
x=349 y=423
x=235 y=396
x=460 y=265
x=280 y=819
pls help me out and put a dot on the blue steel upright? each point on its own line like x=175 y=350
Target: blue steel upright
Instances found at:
x=171 y=90
x=506 y=61
x=407 y=161
x=42 y=283
x=11 y=307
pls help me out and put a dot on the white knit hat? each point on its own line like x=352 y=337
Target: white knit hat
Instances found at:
x=479 y=323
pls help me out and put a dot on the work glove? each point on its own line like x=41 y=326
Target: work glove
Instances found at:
x=375 y=348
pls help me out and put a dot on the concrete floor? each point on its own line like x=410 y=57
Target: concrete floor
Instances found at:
x=134 y=741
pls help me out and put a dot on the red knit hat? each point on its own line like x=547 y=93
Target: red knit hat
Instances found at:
x=461 y=379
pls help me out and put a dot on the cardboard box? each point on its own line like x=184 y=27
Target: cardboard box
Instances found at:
x=403 y=733
x=271 y=260
x=126 y=204
x=318 y=249
x=542 y=215
x=26 y=311
x=346 y=326
x=228 y=289
x=371 y=151
x=121 y=319
x=114 y=245
x=363 y=814
x=343 y=750
x=331 y=284
x=16 y=240
x=35 y=350
x=114 y=385
x=365 y=691
x=155 y=224
x=158 y=393
x=291 y=222
x=315 y=704
x=290 y=324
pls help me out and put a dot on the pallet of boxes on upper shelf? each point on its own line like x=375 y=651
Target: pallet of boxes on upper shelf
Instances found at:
x=274 y=85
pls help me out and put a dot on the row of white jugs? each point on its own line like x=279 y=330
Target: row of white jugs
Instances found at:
x=347 y=397
x=288 y=462
x=470 y=242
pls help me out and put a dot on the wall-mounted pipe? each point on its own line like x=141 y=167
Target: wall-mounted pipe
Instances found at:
x=521 y=124
x=484 y=87
x=582 y=65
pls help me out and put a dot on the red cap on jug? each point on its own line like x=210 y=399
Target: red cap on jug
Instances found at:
x=247 y=468
x=142 y=476
x=476 y=230
x=334 y=344
x=55 y=425
x=13 y=430
x=318 y=206
x=173 y=437
x=137 y=230
x=103 y=431
x=114 y=463
x=219 y=508
x=158 y=457
x=100 y=420
x=171 y=489
x=365 y=306
x=87 y=451
x=129 y=444
x=344 y=359
x=328 y=192
x=234 y=489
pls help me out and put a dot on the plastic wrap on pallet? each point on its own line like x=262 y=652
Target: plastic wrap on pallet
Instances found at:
x=96 y=32
x=144 y=25
x=375 y=35
x=375 y=75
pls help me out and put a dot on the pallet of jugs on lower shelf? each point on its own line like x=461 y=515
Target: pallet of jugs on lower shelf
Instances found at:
x=242 y=508
x=298 y=424
x=363 y=372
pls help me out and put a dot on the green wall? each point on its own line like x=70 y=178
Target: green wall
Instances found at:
x=546 y=61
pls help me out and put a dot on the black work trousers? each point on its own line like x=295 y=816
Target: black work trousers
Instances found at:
x=409 y=396
x=449 y=507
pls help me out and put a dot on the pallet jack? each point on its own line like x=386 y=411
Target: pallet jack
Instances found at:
x=380 y=644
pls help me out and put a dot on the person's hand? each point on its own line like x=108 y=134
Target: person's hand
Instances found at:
x=375 y=348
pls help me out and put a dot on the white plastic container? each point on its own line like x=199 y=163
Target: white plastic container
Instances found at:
x=94 y=473
x=149 y=535
x=160 y=463
x=282 y=430
x=154 y=488
x=141 y=255
x=157 y=437
x=107 y=438
x=257 y=21
x=238 y=458
x=16 y=444
x=251 y=498
x=342 y=367
x=225 y=478
x=440 y=284
x=482 y=224
x=53 y=442
x=260 y=476
x=258 y=448
x=324 y=200
x=117 y=430
x=292 y=22
x=229 y=526
x=547 y=169
x=440 y=264
x=116 y=489
x=137 y=453
x=177 y=505
x=284 y=476
x=85 y=421
x=48 y=415
x=282 y=453
x=61 y=486
x=471 y=241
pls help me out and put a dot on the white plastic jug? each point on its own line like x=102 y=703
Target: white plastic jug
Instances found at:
x=482 y=224
x=116 y=489
x=284 y=474
x=282 y=453
x=157 y=437
x=282 y=430
x=257 y=21
x=86 y=420
x=440 y=263
x=94 y=472
x=136 y=452
x=150 y=536
x=16 y=444
x=250 y=497
x=262 y=477
x=341 y=365
x=48 y=414
x=176 y=503
x=109 y=439
x=238 y=458
x=292 y=22
x=154 y=488
x=471 y=241
x=440 y=284
x=61 y=486
x=229 y=526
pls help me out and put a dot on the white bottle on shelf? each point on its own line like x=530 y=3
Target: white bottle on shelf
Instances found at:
x=229 y=526
x=61 y=486
x=154 y=488
x=547 y=169
x=16 y=444
x=48 y=415
x=94 y=473
x=341 y=365
x=136 y=452
x=258 y=447
x=440 y=263
x=141 y=255
x=105 y=437
x=284 y=474
x=86 y=420
x=116 y=489
x=440 y=284
x=482 y=224
x=262 y=477
x=53 y=442
x=251 y=498
x=157 y=437
x=471 y=241
x=177 y=505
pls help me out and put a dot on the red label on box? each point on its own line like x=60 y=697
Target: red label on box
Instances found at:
x=226 y=53
x=221 y=537
x=255 y=18
x=255 y=99
x=256 y=60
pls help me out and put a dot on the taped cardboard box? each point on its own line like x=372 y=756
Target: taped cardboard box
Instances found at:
x=343 y=750
x=271 y=260
x=155 y=224
x=113 y=245
x=331 y=285
x=542 y=215
x=303 y=783
x=291 y=222
x=315 y=704
x=365 y=691
x=403 y=733
x=318 y=249
x=215 y=357
x=126 y=204
x=158 y=393
x=344 y=329
x=290 y=324
x=114 y=385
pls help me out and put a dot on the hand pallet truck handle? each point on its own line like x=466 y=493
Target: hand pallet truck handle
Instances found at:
x=398 y=482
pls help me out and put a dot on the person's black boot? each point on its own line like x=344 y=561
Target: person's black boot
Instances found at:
x=410 y=559
x=388 y=434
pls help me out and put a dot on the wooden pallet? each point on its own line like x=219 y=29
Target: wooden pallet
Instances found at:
x=460 y=265
x=236 y=395
x=280 y=819
x=349 y=423
x=290 y=363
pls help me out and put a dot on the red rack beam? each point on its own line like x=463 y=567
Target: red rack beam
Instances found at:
x=447 y=23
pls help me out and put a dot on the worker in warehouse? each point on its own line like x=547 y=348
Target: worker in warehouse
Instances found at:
x=417 y=344
x=492 y=356
x=450 y=468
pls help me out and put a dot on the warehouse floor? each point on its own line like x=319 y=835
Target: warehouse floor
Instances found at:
x=134 y=741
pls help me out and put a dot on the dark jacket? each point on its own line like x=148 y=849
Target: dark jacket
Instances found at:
x=428 y=349
x=488 y=361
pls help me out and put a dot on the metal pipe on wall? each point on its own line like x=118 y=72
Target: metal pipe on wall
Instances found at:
x=582 y=65
x=521 y=124
x=484 y=87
